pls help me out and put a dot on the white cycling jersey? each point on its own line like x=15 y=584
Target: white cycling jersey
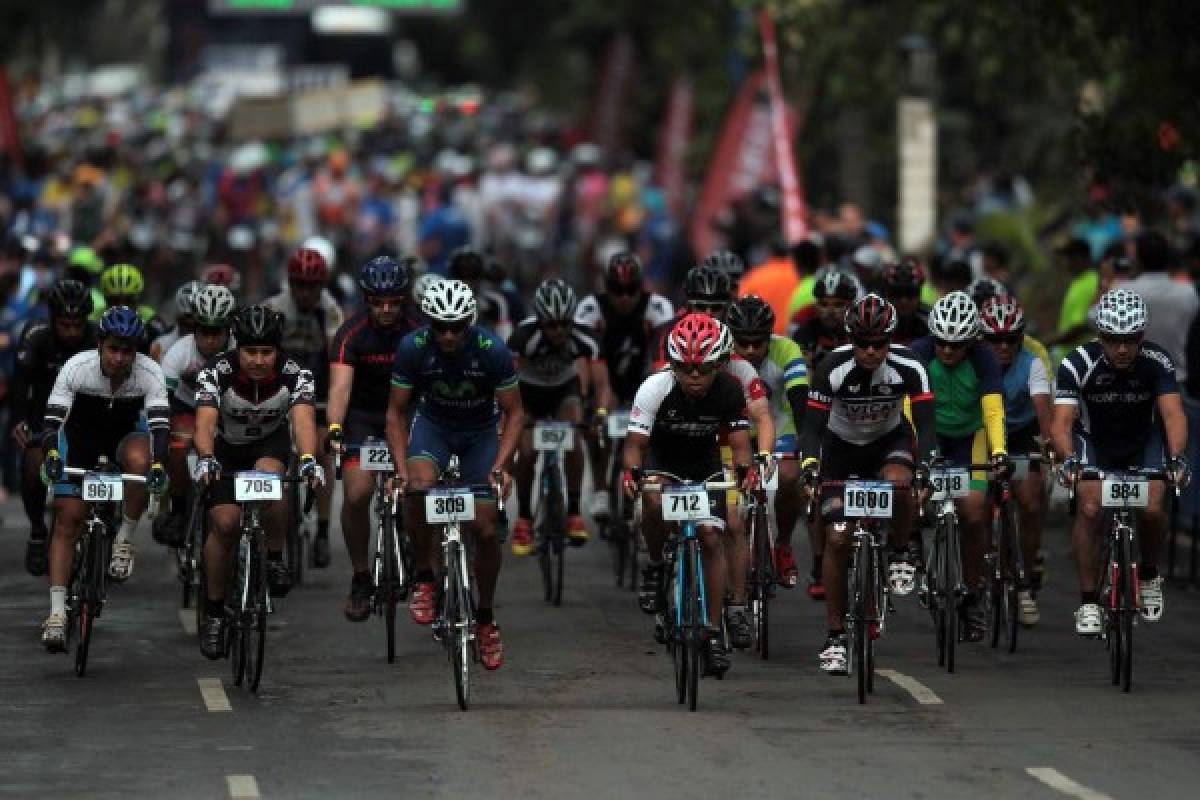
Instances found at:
x=181 y=367
x=84 y=403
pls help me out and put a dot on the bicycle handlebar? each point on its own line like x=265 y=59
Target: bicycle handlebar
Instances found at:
x=125 y=476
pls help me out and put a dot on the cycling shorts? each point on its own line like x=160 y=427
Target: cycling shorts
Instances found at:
x=786 y=443
x=962 y=451
x=238 y=457
x=1024 y=442
x=84 y=451
x=842 y=460
x=1150 y=454
x=544 y=402
x=695 y=471
x=476 y=449
x=358 y=427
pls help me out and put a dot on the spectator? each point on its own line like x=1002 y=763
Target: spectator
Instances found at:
x=1073 y=328
x=774 y=280
x=807 y=256
x=1170 y=306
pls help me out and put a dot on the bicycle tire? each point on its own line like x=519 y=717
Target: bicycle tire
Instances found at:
x=237 y=631
x=953 y=581
x=256 y=652
x=96 y=557
x=1112 y=627
x=294 y=543
x=1013 y=573
x=673 y=619
x=1128 y=613
x=694 y=627
x=936 y=593
x=763 y=578
x=456 y=633
x=389 y=544
x=859 y=580
x=992 y=594
x=556 y=520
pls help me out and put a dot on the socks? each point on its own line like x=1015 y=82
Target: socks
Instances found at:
x=128 y=526
x=58 y=600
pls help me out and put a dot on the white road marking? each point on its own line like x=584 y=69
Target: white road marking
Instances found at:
x=1061 y=783
x=920 y=692
x=187 y=618
x=242 y=787
x=214 y=695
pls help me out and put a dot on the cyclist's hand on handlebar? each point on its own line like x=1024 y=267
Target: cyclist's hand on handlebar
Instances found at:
x=500 y=476
x=810 y=471
x=309 y=468
x=1002 y=466
x=206 y=470
x=629 y=483
x=1179 y=471
x=52 y=467
x=1068 y=471
x=765 y=465
x=334 y=439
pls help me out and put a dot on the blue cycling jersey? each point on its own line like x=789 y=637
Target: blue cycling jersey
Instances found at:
x=1018 y=403
x=459 y=388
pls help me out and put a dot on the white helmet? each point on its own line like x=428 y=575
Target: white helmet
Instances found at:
x=322 y=246
x=421 y=284
x=954 y=318
x=555 y=301
x=1121 y=312
x=213 y=306
x=448 y=300
x=185 y=298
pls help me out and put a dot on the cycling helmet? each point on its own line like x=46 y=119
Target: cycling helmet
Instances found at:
x=832 y=282
x=1121 y=312
x=983 y=288
x=185 y=298
x=954 y=318
x=449 y=300
x=69 y=298
x=1002 y=314
x=707 y=285
x=422 y=284
x=257 y=326
x=122 y=280
x=466 y=264
x=322 y=246
x=308 y=266
x=724 y=261
x=624 y=270
x=908 y=275
x=872 y=316
x=221 y=275
x=555 y=301
x=750 y=316
x=121 y=322
x=213 y=306
x=699 y=339
x=85 y=258
x=384 y=276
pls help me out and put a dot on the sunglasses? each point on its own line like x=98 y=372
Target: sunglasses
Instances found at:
x=694 y=369
x=623 y=291
x=1005 y=338
x=708 y=308
x=752 y=343
x=1133 y=338
x=945 y=345
x=871 y=344
x=449 y=327
x=211 y=330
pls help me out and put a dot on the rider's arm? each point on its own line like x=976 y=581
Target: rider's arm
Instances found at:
x=58 y=405
x=739 y=443
x=341 y=378
x=1170 y=408
x=634 y=453
x=304 y=427
x=795 y=377
x=1067 y=390
x=759 y=412
x=1041 y=395
x=993 y=421
x=513 y=423
x=923 y=408
x=603 y=387
x=397 y=422
x=27 y=360
x=157 y=410
x=205 y=435
x=991 y=396
x=816 y=416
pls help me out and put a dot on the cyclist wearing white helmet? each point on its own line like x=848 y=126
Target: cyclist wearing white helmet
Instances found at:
x=462 y=380
x=1115 y=397
x=968 y=389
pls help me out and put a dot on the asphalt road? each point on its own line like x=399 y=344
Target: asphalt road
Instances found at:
x=583 y=707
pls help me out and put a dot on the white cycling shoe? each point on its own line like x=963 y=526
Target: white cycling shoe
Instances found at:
x=1151 y=594
x=1089 y=620
x=834 y=659
x=600 y=505
x=54 y=633
x=902 y=577
x=1027 y=608
x=121 y=565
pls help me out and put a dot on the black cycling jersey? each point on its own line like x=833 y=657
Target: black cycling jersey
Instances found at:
x=370 y=350
x=542 y=363
x=40 y=356
x=1117 y=408
x=625 y=339
x=912 y=327
x=252 y=410
x=817 y=341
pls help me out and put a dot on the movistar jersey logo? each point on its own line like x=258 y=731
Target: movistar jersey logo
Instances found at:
x=421 y=339
x=484 y=343
x=461 y=391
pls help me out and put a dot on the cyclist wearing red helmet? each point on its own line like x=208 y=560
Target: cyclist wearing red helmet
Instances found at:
x=311 y=321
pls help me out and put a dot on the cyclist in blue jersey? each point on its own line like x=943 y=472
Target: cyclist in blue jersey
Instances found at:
x=466 y=385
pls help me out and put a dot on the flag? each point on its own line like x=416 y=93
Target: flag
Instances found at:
x=673 y=144
x=795 y=227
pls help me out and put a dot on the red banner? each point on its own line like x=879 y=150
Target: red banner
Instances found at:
x=10 y=137
x=795 y=226
x=673 y=145
x=608 y=116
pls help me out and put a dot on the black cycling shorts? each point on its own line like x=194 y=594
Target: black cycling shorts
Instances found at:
x=543 y=402
x=237 y=457
x=842 y=460
x=358 y=427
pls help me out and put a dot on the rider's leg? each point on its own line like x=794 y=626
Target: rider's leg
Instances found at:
x=275 y=515
x=1085 y=538
x=1154 y=523
x=736 y=549
x=68 y=522
x=487 y=556
x=715 y=573
x=972 y=510
x=571 y=411
x=1030 y=497
x=422 y=474
x=358 y=487
x=904 y=506
x=182 y=428
x=526 y=463
x=223 y=522
x=837 y=552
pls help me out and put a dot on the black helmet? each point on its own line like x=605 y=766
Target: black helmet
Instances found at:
x=466 y=264
x=258 y=325
x=750 y=316
x=708 y=285
x=725 y=261
x=871 y=316
x=624 y=270
x=69 y=298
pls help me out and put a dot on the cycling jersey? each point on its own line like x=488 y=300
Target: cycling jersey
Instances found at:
x=1117 y=408
x=862 y=407
x=625 y=338
x=181 y=367
x=781 y=370
x=251 y=411
x=543 y=363
x=307 y=335
x=1025 y=377
x=163 y=344
x=370 y=350
x=40 y=356
x=456 y=389
x=969 y=394
x=85 y=407
x=816 y=341
x=494 y=311
x=912 y=327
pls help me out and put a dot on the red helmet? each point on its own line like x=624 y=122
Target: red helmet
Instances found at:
x=871 y=316
x=221 y=275
x=699 y=339
x=307 y=265
x=1002 y=314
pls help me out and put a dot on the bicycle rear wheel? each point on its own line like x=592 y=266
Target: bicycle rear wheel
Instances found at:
x=674 y=612
x=858 y=616
x=256 y=628
x=694 y=626
x=760 y=600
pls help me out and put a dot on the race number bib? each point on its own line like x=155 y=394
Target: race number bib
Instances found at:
x=449 y=505
x=374 y=456
x=1125 y=492
x=554 y=436
x=867 y=499
x=953 y=482
x=256 y=486
x=99 y=488
x=685 y=503
x=618 y=424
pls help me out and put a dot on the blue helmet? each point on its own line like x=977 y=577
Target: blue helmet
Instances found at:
x=122 y=322
x=384 y=276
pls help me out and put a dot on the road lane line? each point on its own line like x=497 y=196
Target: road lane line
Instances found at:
x=242 y=787
x=920 y=692
x=214 y=695
x=1061 y=783
x=187 y=618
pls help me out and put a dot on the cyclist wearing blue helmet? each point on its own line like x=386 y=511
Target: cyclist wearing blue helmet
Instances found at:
x=96 y=410
x=359 y=379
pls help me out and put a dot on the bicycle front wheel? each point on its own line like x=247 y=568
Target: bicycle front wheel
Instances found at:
x=952 y=583
x=256 y=615
x=389 y=579
x=859 y=580
x=694 y=629
x=454 y=613
x=763 y=578
x=1128 y=614
x=674 y=620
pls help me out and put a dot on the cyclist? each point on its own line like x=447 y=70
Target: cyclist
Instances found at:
x=212 y=310
x=123 y=285
x=85 y=266
x=1115 y=398
x=464 y=384
x=311 y=320
x=622 y=319
x=676 y=418
x=821 y=328
x=245 y=398
x=185 y=298
x=708 y=290
x=360 y=367
x=1028 y=411
x=41 y=353
x=855 y=426
x=557 y=360
x=495 y=312
x=902 y=288
x=221 y=275
x=780 y=365
x=95 y=409
x=969 y=387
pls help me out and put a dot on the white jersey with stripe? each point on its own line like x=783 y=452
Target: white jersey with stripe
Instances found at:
x=83 y=400
x=863 y=406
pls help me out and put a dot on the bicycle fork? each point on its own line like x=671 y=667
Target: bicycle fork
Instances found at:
x=1123 y=540
x=697 y=572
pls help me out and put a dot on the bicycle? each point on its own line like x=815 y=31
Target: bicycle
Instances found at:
x=618 y=528
x=1004 y=564
x=188 y=554
x=687 y=617
x=1122 y=493
x=298 y=547
x=550 y=440
x=102 y=490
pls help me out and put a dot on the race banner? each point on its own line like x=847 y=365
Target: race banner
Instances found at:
x=673 y=144
x=795 y=226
